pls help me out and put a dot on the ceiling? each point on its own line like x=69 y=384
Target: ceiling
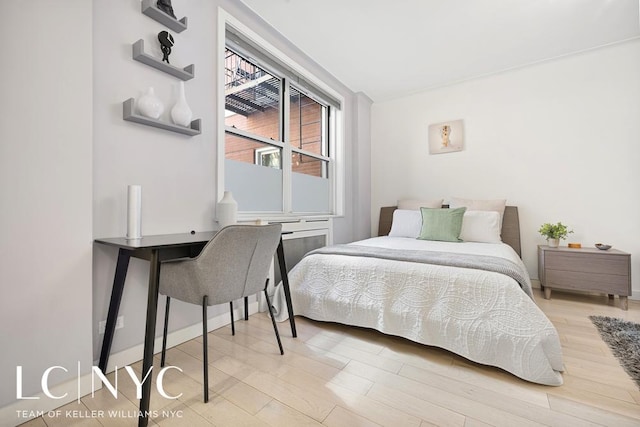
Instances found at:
x=389 y=49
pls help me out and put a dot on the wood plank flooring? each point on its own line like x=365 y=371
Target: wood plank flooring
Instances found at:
x=334 y=375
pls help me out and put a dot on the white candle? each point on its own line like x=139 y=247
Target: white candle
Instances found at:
x=134 y=212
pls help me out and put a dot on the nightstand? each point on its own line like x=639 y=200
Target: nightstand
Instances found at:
x=585 y=269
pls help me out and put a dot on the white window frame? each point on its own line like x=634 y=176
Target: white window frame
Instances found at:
x=336 y=138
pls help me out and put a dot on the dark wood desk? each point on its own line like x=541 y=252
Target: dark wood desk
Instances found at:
x=156 y=249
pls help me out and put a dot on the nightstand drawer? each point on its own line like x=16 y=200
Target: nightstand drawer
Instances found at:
x=584 y=281
x=601 y=264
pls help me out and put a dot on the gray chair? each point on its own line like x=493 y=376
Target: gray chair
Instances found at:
x=234 y=264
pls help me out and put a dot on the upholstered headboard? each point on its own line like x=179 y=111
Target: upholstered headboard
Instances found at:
x=510 y=225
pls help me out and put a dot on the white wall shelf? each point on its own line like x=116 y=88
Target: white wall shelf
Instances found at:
x=149 y=8
x=138 y=53
x=129 y=115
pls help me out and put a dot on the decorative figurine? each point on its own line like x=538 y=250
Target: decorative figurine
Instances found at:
x=165 y=6
x=166 y=42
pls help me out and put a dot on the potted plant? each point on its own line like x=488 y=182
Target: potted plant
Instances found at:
x=554 y=232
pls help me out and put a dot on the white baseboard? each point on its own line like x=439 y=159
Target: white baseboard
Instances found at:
x=22 y=411
x=77 y=388
x=135 y=354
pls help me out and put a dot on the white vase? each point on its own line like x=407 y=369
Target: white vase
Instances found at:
x=553 y=243
x=181 y=113
x=149 y=105
x=227 y=210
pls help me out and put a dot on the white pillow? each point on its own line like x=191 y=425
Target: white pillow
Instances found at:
x=415 y=204
x=480 y=205
x=406 y=223
x=481 y=226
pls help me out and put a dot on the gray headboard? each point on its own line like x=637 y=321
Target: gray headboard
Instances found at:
x=510 y=225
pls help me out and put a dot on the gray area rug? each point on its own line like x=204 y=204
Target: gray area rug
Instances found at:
x=624 y=340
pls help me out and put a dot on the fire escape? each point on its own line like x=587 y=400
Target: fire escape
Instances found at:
x=248 y=88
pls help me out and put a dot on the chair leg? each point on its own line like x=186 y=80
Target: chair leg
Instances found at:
x=246 y=308
x=233 y=327
x=273 y=320
x=205 y=349
x=166 y=327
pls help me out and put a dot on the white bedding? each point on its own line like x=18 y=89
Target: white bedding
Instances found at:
x=483 y=316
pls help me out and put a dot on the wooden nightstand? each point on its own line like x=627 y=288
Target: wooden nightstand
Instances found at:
x=585 y=269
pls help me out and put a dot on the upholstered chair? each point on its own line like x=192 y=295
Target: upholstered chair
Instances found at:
x=234 y=264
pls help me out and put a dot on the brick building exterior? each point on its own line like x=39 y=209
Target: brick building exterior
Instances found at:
x=305 y=131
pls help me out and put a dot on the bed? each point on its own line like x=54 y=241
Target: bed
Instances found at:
x=473 y=299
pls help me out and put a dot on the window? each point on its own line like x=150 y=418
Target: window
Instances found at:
x=252 y=97
x=308 y=134
x=269 y=157
x=280 y=134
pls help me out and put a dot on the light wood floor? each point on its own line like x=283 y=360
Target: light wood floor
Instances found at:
x=334 y=375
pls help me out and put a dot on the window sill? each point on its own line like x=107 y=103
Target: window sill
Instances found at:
x=255 y=217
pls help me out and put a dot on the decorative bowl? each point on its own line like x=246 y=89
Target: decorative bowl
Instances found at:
x=602 y=246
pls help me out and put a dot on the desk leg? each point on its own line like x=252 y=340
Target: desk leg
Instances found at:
x=149 y=337
x=285 y=285
x=114 y=306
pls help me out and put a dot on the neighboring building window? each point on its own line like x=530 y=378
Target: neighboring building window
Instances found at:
x=280 y=135
x=269 y=157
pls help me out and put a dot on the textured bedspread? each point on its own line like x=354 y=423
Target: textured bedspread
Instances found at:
x=464 y=260
x=482 y=315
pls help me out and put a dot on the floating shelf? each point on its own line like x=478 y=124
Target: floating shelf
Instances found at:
x=138 y=53
x=149 y=8
x=130 y=116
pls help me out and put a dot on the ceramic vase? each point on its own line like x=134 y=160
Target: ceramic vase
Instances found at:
x=181 y=113
x=553 y=243
x=227 y=209
x=149 y=105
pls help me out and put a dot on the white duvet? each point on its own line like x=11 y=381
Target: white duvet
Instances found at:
x=483 y=316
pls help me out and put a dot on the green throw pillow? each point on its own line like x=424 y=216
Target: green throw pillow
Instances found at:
x=441 y=224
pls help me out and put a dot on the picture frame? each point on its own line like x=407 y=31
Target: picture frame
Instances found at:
x=446 y=137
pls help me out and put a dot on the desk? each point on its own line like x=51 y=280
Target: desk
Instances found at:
x=156 y=249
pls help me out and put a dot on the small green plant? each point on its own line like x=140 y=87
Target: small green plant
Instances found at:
x=554 y=231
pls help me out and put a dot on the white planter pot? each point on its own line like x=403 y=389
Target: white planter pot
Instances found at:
x=553 y=243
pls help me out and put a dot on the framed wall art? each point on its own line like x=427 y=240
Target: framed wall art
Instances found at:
x=446 y=137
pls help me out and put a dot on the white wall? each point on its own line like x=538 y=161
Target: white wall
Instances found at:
x=177 y=173
x=362 y=173
x=66 y=157
x=558 y=139
x=45 y=186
